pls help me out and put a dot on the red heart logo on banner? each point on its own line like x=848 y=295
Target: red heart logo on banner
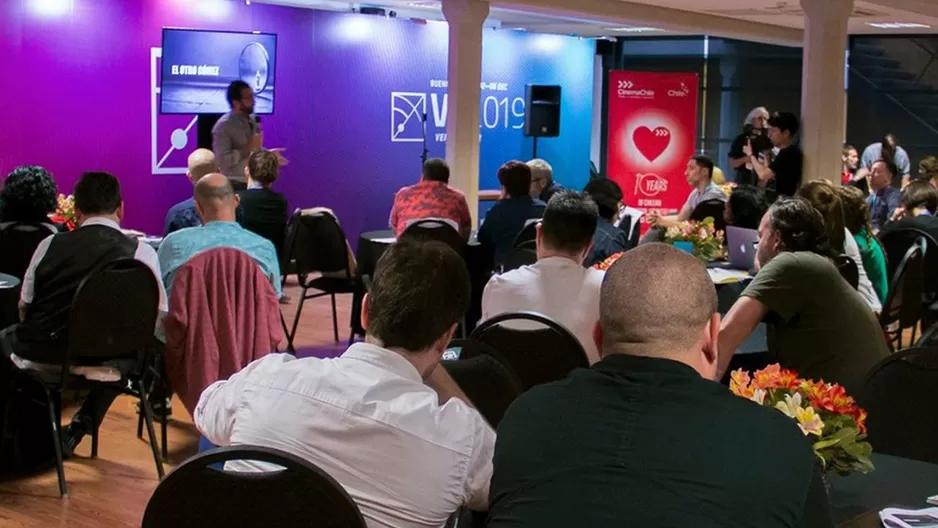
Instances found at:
x=651 y=143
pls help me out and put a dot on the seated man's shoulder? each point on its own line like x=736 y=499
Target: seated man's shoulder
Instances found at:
x=739 y=420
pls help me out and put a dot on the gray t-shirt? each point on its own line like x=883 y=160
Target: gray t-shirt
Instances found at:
x=818 y=324
x=229 y=135
x=711 y=192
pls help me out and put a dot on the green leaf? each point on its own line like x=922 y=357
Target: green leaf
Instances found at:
x=836 y=438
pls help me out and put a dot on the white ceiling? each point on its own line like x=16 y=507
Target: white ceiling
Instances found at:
x=578 y=18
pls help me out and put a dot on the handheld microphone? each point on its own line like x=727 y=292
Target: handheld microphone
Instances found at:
x=257 y=124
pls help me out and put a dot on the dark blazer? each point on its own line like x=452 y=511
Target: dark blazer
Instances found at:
x=264 y=212
x=636 y=441
x=504 y=221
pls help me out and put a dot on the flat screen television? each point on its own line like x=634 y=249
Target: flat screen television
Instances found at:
x=198 y=65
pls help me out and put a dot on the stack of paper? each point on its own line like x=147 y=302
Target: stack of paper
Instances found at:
x=899 y=518
x=727 y=276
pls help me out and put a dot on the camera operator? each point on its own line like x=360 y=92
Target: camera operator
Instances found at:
x=754 y=131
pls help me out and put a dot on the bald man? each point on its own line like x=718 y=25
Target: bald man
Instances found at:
x=645 y=437
x=183 y=214
x=216 y=204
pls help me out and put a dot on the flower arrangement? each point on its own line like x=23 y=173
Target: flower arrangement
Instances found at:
x=728 y=188
x=707 y=241
x=65 y=211
x=610 y=260
x=830 y=419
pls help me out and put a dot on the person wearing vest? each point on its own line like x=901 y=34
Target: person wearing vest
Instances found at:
x=57 y=268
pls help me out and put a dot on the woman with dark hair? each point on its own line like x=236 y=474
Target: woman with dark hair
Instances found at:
x=826 y=200
x=607 y=239
x=745 y=207
x=889 y=151
x=28 y=196
x=928 y=170
x=919 y=207
x=857 y=220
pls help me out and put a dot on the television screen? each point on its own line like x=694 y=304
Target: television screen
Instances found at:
x=198 y=66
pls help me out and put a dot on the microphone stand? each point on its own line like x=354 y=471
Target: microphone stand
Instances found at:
x=423 y=129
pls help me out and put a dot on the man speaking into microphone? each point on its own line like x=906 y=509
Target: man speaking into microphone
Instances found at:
x=237 y=134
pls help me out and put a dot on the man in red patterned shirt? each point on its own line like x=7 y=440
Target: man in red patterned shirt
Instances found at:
x=432 y=197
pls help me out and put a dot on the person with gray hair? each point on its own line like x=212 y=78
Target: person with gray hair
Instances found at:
x=543 y=186
x=216 y=204
x=647 y=434
x=755 y=130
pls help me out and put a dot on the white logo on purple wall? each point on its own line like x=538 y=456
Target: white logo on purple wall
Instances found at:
x=167 y=157
x=407 y=111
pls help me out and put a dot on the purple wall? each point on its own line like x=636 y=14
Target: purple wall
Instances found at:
x=81 y=100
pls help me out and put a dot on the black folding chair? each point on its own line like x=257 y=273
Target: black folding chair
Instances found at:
x=317 y=244
x=18 y=242
x=112 y=317
x=524 y=248
x=297 y=494
x=848 y=270
x=542 y=354
x=488 y=383
x=439 y=230
x=710 y=209
x=899 y=395
x=903 y=307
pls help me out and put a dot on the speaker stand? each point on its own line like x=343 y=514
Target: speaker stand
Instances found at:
x=535 y=148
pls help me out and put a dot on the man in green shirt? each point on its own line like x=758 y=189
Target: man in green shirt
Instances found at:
x=818 y=324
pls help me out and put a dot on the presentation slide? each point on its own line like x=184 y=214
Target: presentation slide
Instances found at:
x=197 y=67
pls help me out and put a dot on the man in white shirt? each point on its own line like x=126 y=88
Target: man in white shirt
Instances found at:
x=699 y=175
x=384 y=419
x=557 y=285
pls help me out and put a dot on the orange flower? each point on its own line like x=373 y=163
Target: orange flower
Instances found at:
x=773 y=377
x=842 y=403
x=860 y=416
x=740 y=383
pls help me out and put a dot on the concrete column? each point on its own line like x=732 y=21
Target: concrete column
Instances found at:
x=823 y=101
x=464 y=75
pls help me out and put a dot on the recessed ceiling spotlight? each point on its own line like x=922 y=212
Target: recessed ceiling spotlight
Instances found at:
x=634 y=29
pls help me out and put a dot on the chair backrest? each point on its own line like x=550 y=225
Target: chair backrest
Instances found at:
x=299 y=494
x=899 y=396
x=710 y=209
x=436 y=229
x=896 y=242
x=18 y=242
x=113 y=314
x=904 y=301
x=848 y=270
x=527 y=237
x=632 y=231
x=929 y=337
x=316 y=242
x=541 y=355
x=488 y=383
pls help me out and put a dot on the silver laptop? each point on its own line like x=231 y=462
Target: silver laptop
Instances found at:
x=741 y=245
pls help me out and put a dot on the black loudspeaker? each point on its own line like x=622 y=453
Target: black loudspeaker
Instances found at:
x=204 y=125
x=542 y=115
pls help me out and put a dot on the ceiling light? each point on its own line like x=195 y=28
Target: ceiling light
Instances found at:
x=634 y=29
x=424 y=5
x=897 y=25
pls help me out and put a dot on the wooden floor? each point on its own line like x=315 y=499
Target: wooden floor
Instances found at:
x=113 y=489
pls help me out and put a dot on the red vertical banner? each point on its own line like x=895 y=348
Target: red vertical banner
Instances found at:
x=652 y=131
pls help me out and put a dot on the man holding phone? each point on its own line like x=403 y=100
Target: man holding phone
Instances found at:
x=237 y=134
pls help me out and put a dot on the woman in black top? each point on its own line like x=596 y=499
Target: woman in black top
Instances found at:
x=264 y=211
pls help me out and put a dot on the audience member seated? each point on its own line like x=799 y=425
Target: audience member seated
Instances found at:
x=884 y=198
x=646 y=437
x=58 y=267
x=826 y=200
x=509 y=215
x=857 y=220
x=543 y=186
x=919 y=206
x=608 y=239
x=216 y=204
x=557 y=285
x=182 y=215
x=27 y=198
x=384 y=419
x=431 y=197
x=699 y=174
x=745 y=207
x=928 y=170
x=264 y=210
x=818 y=324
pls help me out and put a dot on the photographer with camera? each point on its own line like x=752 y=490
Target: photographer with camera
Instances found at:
x=754 y=131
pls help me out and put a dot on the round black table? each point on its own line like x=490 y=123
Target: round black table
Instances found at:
x=856 y=499
x=9 y=300
x=372 y=244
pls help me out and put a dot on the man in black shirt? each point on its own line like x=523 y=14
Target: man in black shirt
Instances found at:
x=755 y=133
x=787 y=167
x=644 y=437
